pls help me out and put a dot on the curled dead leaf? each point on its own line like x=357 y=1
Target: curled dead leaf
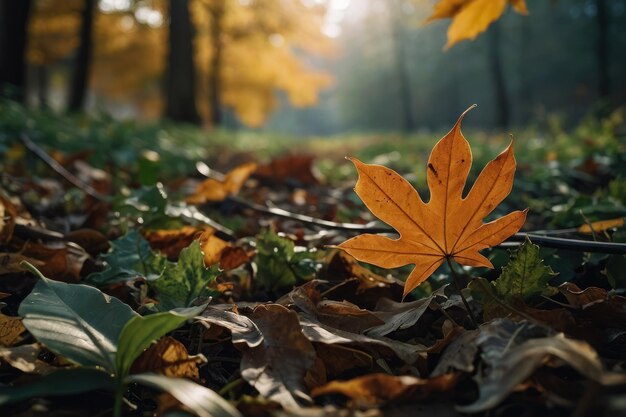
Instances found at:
x=169 y=357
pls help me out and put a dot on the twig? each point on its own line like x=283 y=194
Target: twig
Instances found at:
x=374 y=227
x=455 y=278
x=68 y=176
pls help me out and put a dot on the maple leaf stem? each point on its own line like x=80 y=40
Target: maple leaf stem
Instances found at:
x=455 y=278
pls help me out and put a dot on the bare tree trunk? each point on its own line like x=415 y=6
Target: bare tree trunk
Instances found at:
x=13 y=34
x=497 y=75
x=82 y=62
x=180 y=79
x=402 y=74
x=602 y=48
x=216 y=11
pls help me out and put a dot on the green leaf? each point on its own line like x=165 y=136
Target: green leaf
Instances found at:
x=75 y=321
x=280 y=266
x=202 y=401
x=130 y=257
x=62 y=382
x=525 y=276
x=185 y=282
x=140 y=332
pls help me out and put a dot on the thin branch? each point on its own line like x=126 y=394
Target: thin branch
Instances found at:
x=455 y=278
x=68 y=176
x=374 y=227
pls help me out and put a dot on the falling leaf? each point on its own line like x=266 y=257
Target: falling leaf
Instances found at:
x=601 y=226
x=212 y=190
x=448 y=226
x=378 y=389
x=471 y=17
x=11 y=328
x=168 y=357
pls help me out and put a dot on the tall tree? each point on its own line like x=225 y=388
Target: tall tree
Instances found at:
x=180 y=99
x=501 y=94
x=216 y=11
x=82 y=63
x=13 y=29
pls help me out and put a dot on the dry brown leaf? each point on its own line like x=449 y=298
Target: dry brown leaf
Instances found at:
x=601 y=226
x=168 y=357
x=26 y=359
x=11 y=328
x=212 y=190
x=297 y=168
x=171 y=242
x=378 y=389
x=449 y=225
x=471 y=17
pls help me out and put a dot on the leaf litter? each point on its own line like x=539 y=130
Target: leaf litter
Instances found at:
x=234 y=310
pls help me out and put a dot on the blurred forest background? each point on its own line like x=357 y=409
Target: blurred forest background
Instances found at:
x=312 y=67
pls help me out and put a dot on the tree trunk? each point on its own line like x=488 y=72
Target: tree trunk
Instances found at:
x=525 y=97
x=180 y=78
x=402 y=75
x=602 y=19
x=13 y=34
x=82 y=62
x=41 y=74
x=216 y=11
x=497 y=75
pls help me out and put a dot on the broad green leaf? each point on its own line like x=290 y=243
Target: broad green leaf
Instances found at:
x=202 y=401
x=280 y=266
x=140 y=332
x=182 y=283
x=78 y=322
x=62 y=382
x=525 y=276
x=130 y=257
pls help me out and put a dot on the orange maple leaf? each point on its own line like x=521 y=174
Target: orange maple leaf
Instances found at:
x=448 y=226
x=471 y=17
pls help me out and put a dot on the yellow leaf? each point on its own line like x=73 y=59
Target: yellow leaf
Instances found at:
x=214 y=190
x=448 y=226
x=601 y=226
x=472 y=17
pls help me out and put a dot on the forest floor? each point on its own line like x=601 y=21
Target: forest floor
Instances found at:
x=169 y=252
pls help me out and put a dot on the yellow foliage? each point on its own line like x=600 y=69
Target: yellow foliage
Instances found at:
x=263 y=47
x=471 y=17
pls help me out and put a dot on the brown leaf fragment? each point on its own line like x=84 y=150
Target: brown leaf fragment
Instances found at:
x=346 y=316
x=277 y=367
x=168 y=357
x=11 y=328
x=243 y=329
x=26 y=359
x=298 y=168
x=339 y=359
x=233 y=257
x=402 y=315
x=171 y=242
x=375 y=390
